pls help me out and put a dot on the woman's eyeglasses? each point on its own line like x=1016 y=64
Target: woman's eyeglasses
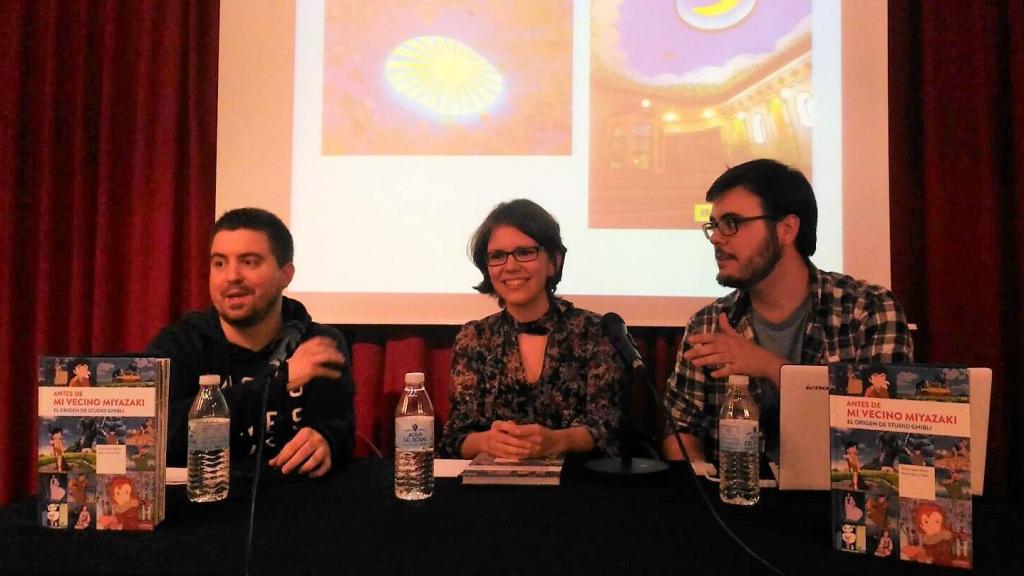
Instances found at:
x=521 y=254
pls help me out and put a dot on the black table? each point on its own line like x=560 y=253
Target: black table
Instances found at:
x=352 y=523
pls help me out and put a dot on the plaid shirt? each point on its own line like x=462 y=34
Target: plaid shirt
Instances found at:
x=849 y=321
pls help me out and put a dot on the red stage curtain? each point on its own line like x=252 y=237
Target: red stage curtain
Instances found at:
x=956 y=134
x=108 y=156
x=107 y=159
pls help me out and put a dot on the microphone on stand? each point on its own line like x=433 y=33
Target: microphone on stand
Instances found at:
x=288 y=339
x=614 y=328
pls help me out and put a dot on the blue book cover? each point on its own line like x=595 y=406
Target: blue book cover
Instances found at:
x=900 y=462
x=101 y=439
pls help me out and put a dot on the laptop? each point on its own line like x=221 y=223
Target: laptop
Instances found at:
x=804 y=427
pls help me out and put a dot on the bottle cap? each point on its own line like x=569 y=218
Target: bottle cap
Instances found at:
x=739 y=380
x=207 y=379
x=414 y=378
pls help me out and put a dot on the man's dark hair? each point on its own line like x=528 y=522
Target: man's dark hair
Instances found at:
x=530 y=219
x=260 y=220
x=782 y=190
x=73 y=363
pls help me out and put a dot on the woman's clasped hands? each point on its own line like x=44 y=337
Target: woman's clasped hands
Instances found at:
x=506 y=439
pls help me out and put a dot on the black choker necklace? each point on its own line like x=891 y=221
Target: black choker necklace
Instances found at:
x=539 y=326
x=534 y=327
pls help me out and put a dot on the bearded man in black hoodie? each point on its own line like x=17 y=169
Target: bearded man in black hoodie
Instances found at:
x=309 y=418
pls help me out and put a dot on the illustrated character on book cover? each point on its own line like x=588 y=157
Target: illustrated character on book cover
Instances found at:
x=956 y=486
x=60 y=450
x=141 y=459
x=963 y=449
x=60 y=374
x=855 y=460
x=884 y=548
x=57 y=491
x=84 y=518
x=952 y=454
x=78 y=486
x=935 y=539
x=57 y=446
x=879 y=387
x=854 y=384
x=851 y=511
x=88 y=432
x=849 y=538
x=113 y=430
x=853 y=463
x=921 y=449
x=53 y=515
x=891 y=451
x=124 y=505
x=878 y=511
x=141 y=435
x=80 y=368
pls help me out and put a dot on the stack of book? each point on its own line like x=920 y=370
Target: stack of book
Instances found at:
x=486 y=469
x=102 y=442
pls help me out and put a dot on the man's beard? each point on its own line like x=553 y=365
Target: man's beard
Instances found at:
x=258 y=314
x=760 y=266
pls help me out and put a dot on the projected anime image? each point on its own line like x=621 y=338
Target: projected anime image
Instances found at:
x=680 y=90
x=447 y=77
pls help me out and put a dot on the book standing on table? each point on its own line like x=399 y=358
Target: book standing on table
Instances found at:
x=102 y=442
x=900 y=462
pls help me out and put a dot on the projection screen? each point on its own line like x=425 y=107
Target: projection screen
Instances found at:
x=383 y=133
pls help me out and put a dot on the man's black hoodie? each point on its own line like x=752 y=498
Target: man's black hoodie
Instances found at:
x=197 y=346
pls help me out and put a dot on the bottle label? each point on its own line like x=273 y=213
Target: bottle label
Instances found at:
x=414 y=433
x=208 y=433
x=736 y=435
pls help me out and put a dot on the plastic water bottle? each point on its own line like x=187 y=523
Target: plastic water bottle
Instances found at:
x=209 y=450
x=414 y=441
x=739 y=452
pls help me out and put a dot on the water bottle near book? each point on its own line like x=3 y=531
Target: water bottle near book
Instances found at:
x=209 y=451
x=414 y=441
x=739 y=445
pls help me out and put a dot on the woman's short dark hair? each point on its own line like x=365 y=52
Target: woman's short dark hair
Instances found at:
x=259 y=220
x=783 y=191
x=530 y=219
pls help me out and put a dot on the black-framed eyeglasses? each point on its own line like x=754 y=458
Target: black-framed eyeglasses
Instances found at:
x=730 y=225
x=521 y=254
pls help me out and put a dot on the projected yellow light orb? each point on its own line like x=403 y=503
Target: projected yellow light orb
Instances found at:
x=443 y=75
x=712 y=14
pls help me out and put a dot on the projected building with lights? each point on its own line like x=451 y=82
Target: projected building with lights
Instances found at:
x=679 y=91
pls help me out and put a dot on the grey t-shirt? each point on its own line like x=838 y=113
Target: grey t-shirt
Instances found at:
x=785 y=339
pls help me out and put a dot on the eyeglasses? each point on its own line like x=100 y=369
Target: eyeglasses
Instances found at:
x=730 y=225
x=521 y=254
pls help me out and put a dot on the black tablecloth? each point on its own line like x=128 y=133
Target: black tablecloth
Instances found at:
x=351 y=523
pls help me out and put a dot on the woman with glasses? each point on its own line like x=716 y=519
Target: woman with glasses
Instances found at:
x=539 y=377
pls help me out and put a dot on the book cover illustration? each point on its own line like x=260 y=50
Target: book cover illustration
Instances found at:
x=900 y=462
x=486 y=469
x=101 y=442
